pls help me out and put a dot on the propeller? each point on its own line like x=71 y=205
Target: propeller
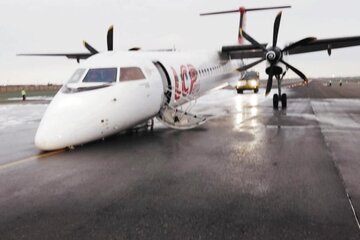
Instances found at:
x=274 y=55
x=90 y=48
x=109 y=40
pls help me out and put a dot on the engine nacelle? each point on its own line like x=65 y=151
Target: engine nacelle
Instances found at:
x=278 y=69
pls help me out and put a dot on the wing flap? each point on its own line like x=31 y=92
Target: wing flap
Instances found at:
x=243 y=51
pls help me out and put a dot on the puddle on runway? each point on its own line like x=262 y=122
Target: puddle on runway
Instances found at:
x=17 y=115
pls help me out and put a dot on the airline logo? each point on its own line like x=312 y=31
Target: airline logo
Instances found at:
x=186 y=83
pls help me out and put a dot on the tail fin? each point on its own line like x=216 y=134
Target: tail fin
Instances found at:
x=243 y=11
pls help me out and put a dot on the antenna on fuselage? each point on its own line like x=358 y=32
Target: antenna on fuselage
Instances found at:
x=243 y=11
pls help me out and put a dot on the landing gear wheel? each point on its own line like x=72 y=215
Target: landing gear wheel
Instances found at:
x=284 y=100
x=276 y=101
x=239 y=91
x=256 y=90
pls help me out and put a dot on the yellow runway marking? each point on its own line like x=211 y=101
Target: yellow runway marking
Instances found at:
x=49 y=154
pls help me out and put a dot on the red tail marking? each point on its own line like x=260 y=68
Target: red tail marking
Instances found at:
x=242 y=11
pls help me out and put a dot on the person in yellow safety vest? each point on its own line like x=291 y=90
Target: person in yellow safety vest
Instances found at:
x=23 y=94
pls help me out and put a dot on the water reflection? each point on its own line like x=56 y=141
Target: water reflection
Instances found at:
x=278 y=114
x=246 y=110
x=242 y=101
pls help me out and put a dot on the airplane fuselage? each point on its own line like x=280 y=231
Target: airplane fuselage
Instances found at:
x=114 y=91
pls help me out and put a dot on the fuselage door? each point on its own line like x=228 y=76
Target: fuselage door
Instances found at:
x=165 y=79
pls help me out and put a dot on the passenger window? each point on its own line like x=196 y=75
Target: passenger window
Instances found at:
x=131 y=73
x=101 y=75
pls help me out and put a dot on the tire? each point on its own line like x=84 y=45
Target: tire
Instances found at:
x=283 y=100
x=276 y=101
x=256 y=90
x=239 y=91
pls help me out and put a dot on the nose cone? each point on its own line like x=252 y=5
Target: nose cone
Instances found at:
x=46 y=139
x=53 y=132
x=62 y=124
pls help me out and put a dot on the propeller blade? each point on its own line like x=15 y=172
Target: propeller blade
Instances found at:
x=300 y=74
x=251 y=40
x=246 y=67
x=299 y=43
x=90 y=48
x=276 y=28
x=269 y=82
x=110 y=38
x=135 y=49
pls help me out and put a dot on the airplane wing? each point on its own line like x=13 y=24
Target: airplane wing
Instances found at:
x=251 y=51
x=76 y=56
x=326 y=44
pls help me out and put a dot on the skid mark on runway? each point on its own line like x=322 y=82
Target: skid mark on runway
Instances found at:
x=29 y=159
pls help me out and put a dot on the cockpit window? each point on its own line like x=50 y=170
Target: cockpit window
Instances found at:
x=101 y=75
x=77 y=75
x=131 y=73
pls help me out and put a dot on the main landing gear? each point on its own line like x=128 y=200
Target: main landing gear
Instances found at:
x=282 y=98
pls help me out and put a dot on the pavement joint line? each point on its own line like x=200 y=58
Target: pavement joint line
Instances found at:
x=37 y=157
x=353 y=210
x=337 y=169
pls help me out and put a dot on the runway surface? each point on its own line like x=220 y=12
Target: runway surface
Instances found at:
x=251 y=172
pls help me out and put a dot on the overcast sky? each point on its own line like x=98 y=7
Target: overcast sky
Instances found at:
x=42 y=26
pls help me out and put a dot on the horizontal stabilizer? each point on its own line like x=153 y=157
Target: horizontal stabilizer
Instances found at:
x=244 y=9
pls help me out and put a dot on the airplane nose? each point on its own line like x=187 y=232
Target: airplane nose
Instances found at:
x=77 y=118
x=73 y=119
x=57 y=127
x=52 y=133
x=47 y=140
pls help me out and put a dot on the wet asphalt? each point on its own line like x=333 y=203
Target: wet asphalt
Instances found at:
x=250 y=172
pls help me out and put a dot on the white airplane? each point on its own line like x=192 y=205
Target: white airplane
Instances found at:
x=114 y=91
